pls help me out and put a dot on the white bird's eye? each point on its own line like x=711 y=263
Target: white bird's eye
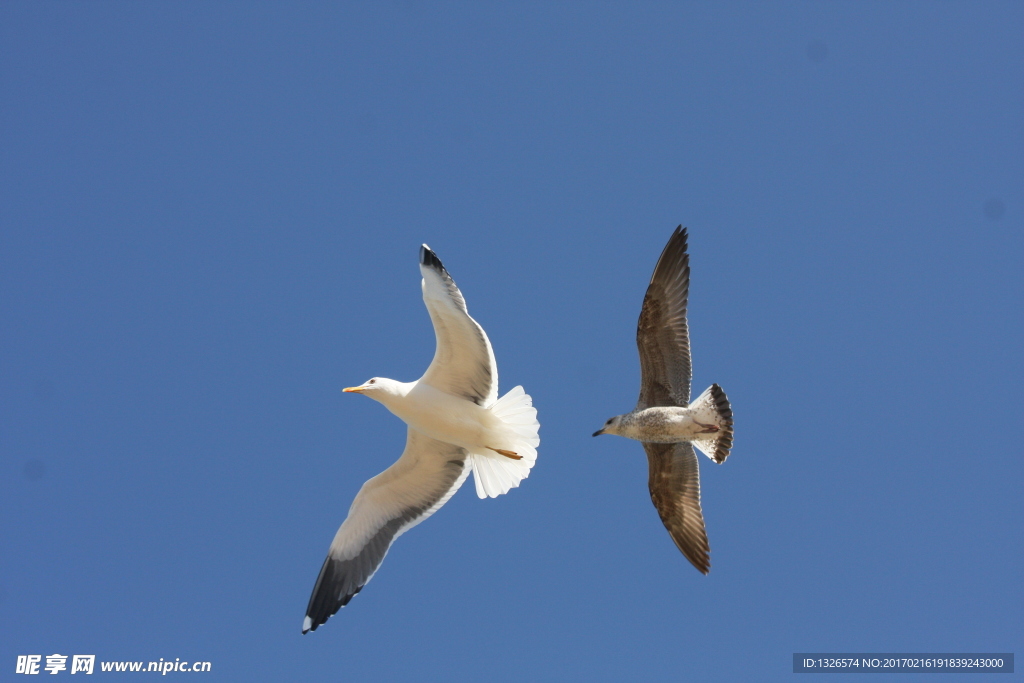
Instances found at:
x=372 y=381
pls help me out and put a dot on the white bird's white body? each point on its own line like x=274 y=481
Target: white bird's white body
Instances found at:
x=508 y=424
x=444 y=417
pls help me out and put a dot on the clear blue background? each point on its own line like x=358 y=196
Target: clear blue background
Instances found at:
x=210 y=221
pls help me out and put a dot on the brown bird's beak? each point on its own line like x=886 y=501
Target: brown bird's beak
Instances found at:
x=599 y=432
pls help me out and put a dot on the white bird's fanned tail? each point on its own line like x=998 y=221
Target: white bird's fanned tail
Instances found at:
x=494 y=473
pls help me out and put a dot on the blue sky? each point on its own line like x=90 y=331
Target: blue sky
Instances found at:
x=209 y=223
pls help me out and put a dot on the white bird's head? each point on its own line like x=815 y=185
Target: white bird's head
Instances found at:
x=378 y=388
x=610 y=427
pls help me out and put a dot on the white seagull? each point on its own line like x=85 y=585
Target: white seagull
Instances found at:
x=664 y=419
x=457 y=424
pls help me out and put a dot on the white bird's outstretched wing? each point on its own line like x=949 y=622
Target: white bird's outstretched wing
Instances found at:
x=415 y=487
x=463 y=362
x=662 y=335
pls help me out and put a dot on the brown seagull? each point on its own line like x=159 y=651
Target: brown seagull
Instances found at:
x=664 y=419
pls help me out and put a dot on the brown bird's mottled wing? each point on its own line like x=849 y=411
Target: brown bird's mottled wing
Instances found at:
x=662 y=335
x=674 y=481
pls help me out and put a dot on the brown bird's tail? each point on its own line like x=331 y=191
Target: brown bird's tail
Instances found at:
x=712 y=407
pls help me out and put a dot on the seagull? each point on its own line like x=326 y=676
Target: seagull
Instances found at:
x=665 y=420
x=456 y=425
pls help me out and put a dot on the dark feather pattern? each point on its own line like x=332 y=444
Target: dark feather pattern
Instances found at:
x=662 y=334
x=674 y=482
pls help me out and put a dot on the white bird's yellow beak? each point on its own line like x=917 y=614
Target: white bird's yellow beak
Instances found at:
x=357 y=390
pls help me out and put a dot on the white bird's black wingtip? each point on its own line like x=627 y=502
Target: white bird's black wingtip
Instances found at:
x=429 y=258
x=330 y=594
